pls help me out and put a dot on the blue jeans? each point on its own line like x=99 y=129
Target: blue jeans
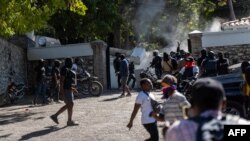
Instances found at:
x=41 y=91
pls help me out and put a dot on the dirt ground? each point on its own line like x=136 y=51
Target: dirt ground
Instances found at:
x=101 y=118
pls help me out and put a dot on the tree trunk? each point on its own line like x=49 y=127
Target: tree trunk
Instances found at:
x=231 y=8
x=117 y=36
x=126 y=39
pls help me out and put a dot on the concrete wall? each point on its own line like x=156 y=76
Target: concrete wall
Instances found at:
x=12 y=64
x=235 y=44
x=70 y=50
x=225 y=38
x=236 y=54
x=93 y=54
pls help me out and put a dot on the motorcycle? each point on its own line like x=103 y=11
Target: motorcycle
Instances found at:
x=88 y=84
x=148 y=74
x=4 y=99
x=15 y=92
x=185 y=87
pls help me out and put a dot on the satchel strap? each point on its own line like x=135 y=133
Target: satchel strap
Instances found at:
x=146 y=93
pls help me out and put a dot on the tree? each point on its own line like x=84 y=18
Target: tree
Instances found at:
x=20 y=16
x=231 y=8
x=98 y=23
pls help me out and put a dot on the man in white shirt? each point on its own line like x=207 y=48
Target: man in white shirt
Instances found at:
x=143 y=101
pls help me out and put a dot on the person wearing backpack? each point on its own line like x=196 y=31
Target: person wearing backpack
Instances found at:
x=203 y=55
x=209 y=65
x=143 y=102
x=169 y=64
x=205 y=118
x=67 y=87
x=222 y=64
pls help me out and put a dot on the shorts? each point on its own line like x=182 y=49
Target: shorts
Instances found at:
x=68 y=96
x=124 y=80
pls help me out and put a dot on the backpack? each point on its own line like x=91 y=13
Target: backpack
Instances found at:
x=211 y=129
x=210 y=65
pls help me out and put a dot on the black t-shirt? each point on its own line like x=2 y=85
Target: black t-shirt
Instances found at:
x=116 y=64
x=48 y=70
x=131 y=68
x=199 y=61
x=70 y=78
x=222 y=65
x=156 y=63
x=40 y=73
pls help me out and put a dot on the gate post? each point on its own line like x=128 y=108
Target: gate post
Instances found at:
x=99 y=61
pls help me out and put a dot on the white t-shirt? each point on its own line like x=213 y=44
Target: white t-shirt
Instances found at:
x=146 y=107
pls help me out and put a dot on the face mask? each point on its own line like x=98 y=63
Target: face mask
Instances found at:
x=189 y=64
x=168 y=91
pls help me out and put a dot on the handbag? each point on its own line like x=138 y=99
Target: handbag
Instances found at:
x=156 y=106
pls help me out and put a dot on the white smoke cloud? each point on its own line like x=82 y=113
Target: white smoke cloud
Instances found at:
x=214 y=25
x=146 y=13
x=170 y=28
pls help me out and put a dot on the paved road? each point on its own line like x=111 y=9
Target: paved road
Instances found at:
x=101 y=118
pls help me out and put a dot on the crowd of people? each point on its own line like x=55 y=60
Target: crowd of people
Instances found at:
x=180 y=64
x=208 y=64
x=55 y=82
x=184 y=119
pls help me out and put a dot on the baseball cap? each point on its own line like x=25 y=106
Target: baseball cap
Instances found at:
x=189 y=59
x=207 y=90
x=169 y=79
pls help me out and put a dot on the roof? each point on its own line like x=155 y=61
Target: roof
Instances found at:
x=243 y=23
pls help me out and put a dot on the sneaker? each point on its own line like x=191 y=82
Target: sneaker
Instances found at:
x=72 y=123
x=54 y=118
x=128 y=95
x=122 y=95
x=58 y=102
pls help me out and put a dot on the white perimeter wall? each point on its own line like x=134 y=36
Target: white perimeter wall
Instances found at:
x=226 y=38
x=71 y=50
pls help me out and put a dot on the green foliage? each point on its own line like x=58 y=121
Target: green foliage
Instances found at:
x=98 y=22
x=78 y=7
x=20 y=16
